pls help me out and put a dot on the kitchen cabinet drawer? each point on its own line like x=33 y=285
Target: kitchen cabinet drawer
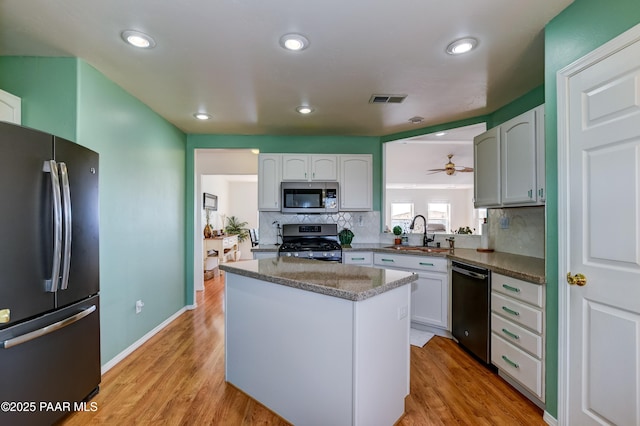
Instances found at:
x=517 y=335
x=525 y=315
x=518 y=289
x=518 y=364
x=420 y=263
x=358 y=258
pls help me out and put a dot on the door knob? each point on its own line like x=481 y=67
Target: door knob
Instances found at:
x=577 y=279
x=5 y=315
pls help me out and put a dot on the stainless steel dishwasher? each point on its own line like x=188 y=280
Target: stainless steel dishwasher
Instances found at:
x=470 y=308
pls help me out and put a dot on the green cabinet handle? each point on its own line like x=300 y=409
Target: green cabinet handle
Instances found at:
x=387 y=260
x=510 y=311
x=510 y=288
x=510 y=334
x=357 y=258
x=426 y=264
x=511 y=363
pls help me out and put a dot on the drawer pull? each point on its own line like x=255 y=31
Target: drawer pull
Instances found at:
x=511 y=363
x=510 y=311
x=510 y=288
x=357 y=258
x=426 y=264
x=387 y=260
x=510 y=334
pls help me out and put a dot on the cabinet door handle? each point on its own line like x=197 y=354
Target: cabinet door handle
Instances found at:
x=426 y=264
x=510 y=334
x=510 y=311
x=510 y=288
x=357 y=258
x=530 y=193
x=511 y=363
x=387 y=260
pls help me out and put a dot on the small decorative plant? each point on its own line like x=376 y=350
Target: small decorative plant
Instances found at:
x=464 y=230
x=345 y=236
x=397 y=231
x=235 y=227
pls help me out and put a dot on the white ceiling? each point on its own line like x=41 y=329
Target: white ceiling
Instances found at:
x=223 y=57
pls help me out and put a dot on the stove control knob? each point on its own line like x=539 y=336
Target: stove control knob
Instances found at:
x=325 y=254
x=295 y=254
x=288 y=254
x=310 y=254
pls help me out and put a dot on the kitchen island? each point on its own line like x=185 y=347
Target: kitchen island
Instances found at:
x=319 y=343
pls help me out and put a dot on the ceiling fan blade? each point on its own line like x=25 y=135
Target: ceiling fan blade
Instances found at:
x=466 y=169
x=436 y=170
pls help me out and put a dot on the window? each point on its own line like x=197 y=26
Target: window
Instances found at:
x=401 y=215
x=439 y=217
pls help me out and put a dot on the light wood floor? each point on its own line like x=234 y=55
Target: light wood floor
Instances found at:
x=177 y=378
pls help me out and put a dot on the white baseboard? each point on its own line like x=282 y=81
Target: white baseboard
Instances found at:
x=549 y=419
x=122 y=355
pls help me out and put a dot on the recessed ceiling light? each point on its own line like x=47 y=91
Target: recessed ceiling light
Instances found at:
x=461 y=46
x=295 y=42
x=255 y=151
x=304 y=109
x=202 y=116
x=138 y=39
x=441 y=133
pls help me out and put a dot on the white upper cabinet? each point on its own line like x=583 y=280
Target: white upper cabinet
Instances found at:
x=518 y=159
x=269 y=177
x=10 y=108
x=356 y=182
x=509 y=162
x=309 y=167
x=486 y=174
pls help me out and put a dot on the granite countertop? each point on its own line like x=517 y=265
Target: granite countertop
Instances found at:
x=349 y=282
x=526 y=268
x=522 y=267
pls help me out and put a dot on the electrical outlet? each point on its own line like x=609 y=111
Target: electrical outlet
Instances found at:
x=403 y=311
x=139 y=306
x=504 y=222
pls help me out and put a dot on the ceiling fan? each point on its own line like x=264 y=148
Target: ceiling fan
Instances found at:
x=450 y=168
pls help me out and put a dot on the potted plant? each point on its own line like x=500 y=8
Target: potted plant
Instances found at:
x=235 y=227
x=397 y=231
x=345 y=236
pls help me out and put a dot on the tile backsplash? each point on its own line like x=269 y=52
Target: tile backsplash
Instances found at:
x=364 y=225
x=519 y=230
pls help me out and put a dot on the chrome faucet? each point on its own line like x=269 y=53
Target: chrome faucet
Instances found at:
x=425 y=240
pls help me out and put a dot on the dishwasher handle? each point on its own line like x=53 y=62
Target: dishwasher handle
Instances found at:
x=469 y=273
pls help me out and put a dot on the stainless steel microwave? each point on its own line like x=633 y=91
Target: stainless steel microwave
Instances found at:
x=309 y=197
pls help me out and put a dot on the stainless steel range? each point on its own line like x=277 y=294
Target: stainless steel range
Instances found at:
x=319 y=242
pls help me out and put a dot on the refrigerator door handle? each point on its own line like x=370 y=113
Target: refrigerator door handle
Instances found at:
x=50 y=166
x=15 y=341
x=66 y=209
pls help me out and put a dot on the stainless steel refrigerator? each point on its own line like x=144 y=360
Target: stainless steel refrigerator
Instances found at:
x=49 y=277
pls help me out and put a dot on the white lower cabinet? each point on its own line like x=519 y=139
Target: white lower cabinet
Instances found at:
x=518 y=333
x=430 y=293
x=264 y=254
x=363 y=258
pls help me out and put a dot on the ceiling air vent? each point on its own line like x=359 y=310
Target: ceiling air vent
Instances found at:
x=387 y=99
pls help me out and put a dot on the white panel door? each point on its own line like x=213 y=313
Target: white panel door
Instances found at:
x=10 y=108
x=599 y=150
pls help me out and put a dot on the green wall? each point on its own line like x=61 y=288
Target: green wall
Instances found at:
x=579 y=29
x=142 y=209
x=47 y=87
x=276 y=144
x=142 y=198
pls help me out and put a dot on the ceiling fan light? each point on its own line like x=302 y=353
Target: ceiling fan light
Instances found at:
x=304 y=109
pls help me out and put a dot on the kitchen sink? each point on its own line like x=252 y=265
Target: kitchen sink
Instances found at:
x=419 y=248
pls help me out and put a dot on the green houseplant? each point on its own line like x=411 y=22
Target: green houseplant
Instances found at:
x=397 y=231
x=345 y=236
x=236 y=227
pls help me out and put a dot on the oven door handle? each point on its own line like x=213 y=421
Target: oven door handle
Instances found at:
x=469 y=273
